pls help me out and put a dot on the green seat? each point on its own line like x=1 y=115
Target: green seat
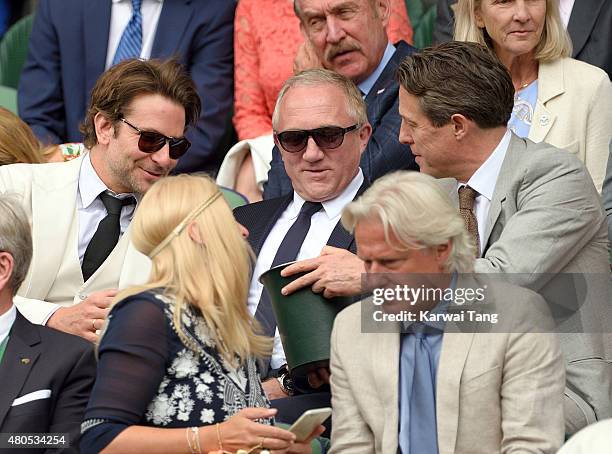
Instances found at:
x=8 y=98
x=234 y=199
x=423 y=20
x=14 y=51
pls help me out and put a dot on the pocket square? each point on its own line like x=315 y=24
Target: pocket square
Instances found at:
x=34 y=395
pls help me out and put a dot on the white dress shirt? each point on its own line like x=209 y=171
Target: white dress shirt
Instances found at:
x=90 y=207
x=121 y=12
x=321 y=227
x=483 y=181
x=6 y=322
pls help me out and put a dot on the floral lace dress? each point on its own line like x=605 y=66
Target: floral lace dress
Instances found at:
x=148 y=376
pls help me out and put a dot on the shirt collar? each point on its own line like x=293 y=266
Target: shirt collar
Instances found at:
x=6 y=322
x=367 y=84
x=484 y=179
x=440 y=308
x=90 y=184
x=334 y=206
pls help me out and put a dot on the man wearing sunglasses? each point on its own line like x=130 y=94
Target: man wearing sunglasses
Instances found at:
x=320 y=126
x=81 y=210
x=349 y=37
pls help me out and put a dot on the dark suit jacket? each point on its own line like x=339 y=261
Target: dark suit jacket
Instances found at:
x=590 y=27
x=40 y=358
x=384 y=153
x=67 y=54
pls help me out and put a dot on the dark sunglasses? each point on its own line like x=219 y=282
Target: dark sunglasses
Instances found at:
x=326 y=138
x=150 y=142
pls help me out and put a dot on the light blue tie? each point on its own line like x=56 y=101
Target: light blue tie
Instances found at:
x=130 y=44
x=423 y=431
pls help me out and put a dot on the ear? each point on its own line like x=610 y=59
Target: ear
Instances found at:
x=364 y=135
x=194 y=233
x=383 y=10
x=460 y=125
x=478 y=18
x=441 y=253
x=6 y=269
x=104 y=129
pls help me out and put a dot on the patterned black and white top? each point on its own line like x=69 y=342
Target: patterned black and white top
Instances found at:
x=148 y=376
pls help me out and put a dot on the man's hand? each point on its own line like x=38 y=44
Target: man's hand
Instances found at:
x=305 y=58
x=84 y=318
x=273 y=390
x=336 y=272
x=318 y=377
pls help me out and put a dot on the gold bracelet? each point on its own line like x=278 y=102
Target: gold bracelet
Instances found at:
x=195 y=432
x=219 y=437
x=189 y=440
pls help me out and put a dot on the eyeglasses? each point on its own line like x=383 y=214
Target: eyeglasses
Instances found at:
x=326 y=138
x=150 y=142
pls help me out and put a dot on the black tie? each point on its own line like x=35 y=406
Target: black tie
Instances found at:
x=287 y=252
x=106 y=236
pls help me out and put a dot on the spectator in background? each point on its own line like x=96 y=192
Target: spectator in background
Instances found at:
x=557 y=99
x=532 y=209
x=179 y=351
x=17 y=141
x=352 y=41
x=74 y=41
x=588 y=22
x=45 y=376
x=81 y=210
x=266 y=41
x=433 y=389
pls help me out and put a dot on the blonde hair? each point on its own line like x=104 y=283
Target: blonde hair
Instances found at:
x=418 y=212
x=211 y=275
x=17 y=141
x=554 y=43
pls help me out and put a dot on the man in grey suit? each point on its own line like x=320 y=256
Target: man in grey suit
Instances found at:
x=532 y=209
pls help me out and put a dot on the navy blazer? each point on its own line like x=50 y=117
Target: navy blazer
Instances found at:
x=383 y=153
x=39 y=358
x=67 y=54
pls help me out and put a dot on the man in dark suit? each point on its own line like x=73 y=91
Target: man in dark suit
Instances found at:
x=589 y=27
x=322 y=130
x=74 y=41
x=355 y=44
x=45 y=375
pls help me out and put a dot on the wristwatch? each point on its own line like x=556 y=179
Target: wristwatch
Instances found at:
x=285 y=381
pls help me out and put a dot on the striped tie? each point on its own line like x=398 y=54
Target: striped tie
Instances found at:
x=131 y=40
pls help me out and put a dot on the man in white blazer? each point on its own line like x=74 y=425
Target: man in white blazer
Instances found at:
x=134 y=131
x=483 y=391
x=532 y=209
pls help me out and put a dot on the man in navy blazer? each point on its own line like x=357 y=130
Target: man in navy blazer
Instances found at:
x=68 y=52
x=357 y=47
x=46 y=376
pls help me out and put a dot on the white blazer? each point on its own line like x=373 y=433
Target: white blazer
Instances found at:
x=49 y=194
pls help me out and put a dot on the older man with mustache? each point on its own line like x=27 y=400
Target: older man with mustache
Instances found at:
x=348 y=36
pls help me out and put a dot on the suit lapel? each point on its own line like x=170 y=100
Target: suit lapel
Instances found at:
x=53 y=211
x=259 y=235
x=455 y=348
x=550 y=85
x=96 y=39
x=582 y=20
x=173 y=21
x=20 y=355
x=386 y=352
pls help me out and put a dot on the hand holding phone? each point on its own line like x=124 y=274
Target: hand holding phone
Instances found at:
x=309 y=421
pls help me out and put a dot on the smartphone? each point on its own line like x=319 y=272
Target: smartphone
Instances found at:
x=309 y=421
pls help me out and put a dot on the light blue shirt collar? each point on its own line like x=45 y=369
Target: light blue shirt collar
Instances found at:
x=367 y=84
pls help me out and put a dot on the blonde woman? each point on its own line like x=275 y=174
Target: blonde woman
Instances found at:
x=559 y=100
x=18 y=144
x=176 y=363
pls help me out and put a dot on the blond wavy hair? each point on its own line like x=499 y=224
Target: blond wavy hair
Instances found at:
x=418 y=212
x=211 y=274
x=554 y=43
x=17 y=141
